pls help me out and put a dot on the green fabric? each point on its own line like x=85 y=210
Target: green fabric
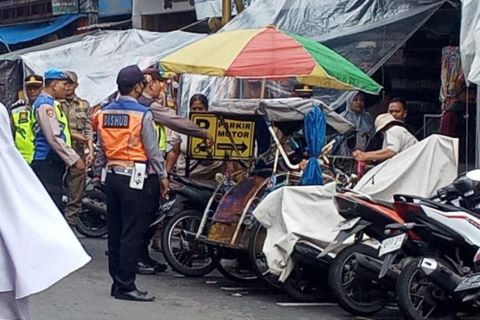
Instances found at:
x=63 y=122
x=337 y=66
x=162 y=137
x=24 y=135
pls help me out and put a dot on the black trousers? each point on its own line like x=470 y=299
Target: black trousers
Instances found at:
x=129 y=211
x=50 y=172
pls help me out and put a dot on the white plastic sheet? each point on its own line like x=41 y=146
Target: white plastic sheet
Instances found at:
x=294 y=213
x=98 y=58
x=470 y=40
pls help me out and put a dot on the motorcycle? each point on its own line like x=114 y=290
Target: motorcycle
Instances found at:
x=355 y=285
x=182 y=212
x=444 y=276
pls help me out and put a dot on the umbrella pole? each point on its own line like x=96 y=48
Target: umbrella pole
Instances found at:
x=262 y=94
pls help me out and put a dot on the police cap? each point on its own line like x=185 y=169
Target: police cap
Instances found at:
x=129 y=76
x=34 y=80
x=71 y=76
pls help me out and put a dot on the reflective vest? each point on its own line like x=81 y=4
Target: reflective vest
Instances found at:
x=120 y=128
x=24 y=135
x=41 y=146
x=161 y=131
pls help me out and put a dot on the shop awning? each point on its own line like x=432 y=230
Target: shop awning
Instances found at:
x=28 y=32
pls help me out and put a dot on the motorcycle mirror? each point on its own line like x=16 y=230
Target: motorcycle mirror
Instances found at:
x=474 y=175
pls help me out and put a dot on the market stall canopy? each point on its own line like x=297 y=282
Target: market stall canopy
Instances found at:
x=288 y=109
x=32 y=31
x=269 y=53
x=98 y=58
x=470 y=40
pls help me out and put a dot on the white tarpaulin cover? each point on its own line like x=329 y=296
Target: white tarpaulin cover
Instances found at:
x=37 y=247
x=470 y=40
x=98 y=58
x=308 y=212
x=213 y=8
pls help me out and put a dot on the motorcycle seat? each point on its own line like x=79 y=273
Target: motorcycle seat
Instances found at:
x=375 y=201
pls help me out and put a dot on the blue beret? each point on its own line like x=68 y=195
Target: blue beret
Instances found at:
x=54 y=74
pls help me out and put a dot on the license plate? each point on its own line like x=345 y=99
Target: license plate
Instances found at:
x=347 y=224
x=391 y=244
x=471 y=282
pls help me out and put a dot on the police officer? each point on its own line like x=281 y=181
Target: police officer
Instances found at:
x=21 y=117
x=77 y=111
x=164 y=117
x=52 y=142
x=129 y=151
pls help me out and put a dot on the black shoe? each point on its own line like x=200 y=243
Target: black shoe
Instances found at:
x=114 y=289
x=145 y=268
x=134 y=295
x=159 y=267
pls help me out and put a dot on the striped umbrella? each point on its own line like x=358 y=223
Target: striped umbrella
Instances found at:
x=269 y=53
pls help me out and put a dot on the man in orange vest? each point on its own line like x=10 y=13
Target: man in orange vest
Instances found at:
x=135 y=175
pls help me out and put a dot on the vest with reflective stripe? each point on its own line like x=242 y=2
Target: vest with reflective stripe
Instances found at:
x=41 y=146
x=24 y=135
x=161 y=131
x=120 y=128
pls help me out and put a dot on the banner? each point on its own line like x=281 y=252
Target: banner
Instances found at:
x=60 y=7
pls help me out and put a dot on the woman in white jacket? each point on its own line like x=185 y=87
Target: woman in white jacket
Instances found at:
x=37 y=247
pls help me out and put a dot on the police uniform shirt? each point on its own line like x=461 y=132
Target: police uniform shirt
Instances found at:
x=48 y=123
x=77 y=111
x=150 y=143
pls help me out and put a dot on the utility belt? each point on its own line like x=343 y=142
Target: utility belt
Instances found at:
x=137 y=173
x=120 y=170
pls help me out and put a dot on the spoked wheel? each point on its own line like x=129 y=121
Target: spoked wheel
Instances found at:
x=356 y=291
x=182 y=252
x=419 y=298
x=237 y=268
x=92 y=218
x=306 y=284
x=258 y=259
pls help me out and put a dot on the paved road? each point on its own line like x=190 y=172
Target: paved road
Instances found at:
x=85 y=295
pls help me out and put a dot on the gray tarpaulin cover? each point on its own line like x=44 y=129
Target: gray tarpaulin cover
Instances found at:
x=308 y=212
x=367 y=32
x=287 y=109
x=97 y=59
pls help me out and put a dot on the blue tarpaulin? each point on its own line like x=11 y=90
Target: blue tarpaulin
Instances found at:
x=32 y=31
x=315 y=130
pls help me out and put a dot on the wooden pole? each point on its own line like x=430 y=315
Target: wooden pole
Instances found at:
x=226 y=11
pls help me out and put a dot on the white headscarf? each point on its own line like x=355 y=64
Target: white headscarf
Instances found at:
x=37 y=247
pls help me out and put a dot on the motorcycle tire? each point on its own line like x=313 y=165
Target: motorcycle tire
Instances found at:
x=181 y=259
x=92 y=220
x=412 y=305
x=364 y=287
x=258 y=259
x=306 y=284
x=240 y=275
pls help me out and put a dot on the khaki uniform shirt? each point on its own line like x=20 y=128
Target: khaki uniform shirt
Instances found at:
x=398 y=139
x=77 y=111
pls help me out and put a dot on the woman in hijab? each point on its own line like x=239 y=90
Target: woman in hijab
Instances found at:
x=363 y=122
x=37 y=247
